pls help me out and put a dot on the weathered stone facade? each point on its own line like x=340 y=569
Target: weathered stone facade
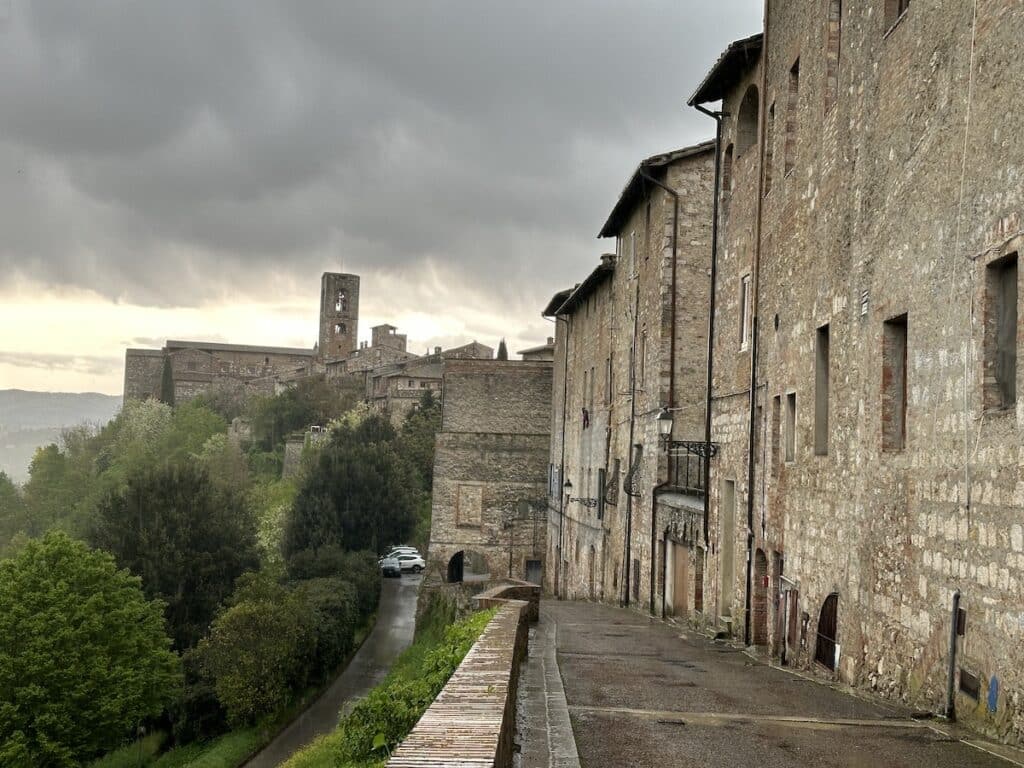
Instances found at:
x=870 y=194
x=490 y=469
x=339 y=315
x=617 y=365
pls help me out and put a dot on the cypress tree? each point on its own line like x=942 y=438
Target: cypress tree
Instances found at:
x=167 y=383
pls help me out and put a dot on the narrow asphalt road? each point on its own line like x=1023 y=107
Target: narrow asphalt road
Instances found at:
x=392 y=634
x=644 y=693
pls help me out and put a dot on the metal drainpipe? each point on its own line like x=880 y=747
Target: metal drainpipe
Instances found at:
x=755 y=298
x=717 y=117
x=664 y=576
x=561 y=468
x=951 y=672
x=671 y=368
x=627 y=564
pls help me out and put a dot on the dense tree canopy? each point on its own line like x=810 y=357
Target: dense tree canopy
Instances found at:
x=360 y=493
x=418 y=436
x=83 y=656
x=188 y=540
x=312 y=401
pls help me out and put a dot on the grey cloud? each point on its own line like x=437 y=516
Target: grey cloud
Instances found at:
x=96 y=365
x=158 y=152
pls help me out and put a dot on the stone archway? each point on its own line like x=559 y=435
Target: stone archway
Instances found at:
x=828 y=626
x=455 y=568
x=760 y=607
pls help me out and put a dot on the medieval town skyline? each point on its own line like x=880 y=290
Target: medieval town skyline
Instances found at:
x=210 y=212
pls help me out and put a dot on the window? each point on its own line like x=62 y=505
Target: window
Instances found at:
x=341 y=303
x=601 y=481
x=792 y=121
x=833 y=40
x=632 y=253
x=746 y=121
x=744 y=311
x=894 y=10
x=643 y=357
x=590 y=394
x=608 y=379
x=791 y=426
x=727 y=171
x=647 y=230
x=776 y=436
x=894 y=384
x=340 y=328
x=769 y=149
x=821 y=385
x=1001 y=333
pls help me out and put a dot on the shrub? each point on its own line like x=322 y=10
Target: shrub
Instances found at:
x=335 y=612
x=358 y=568
x=258 y=651
x=83 y=656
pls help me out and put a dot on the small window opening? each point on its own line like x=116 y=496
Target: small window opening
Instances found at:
x=894 y=10
x=744 y=311
x=791 y=426
x=1000 y=389
x=821 y=387
x=608 y=379
x=894 y=384
x=834 y=32
x=340 y=328
x=776 y=434
x=746 y=121
x=792 y=119
x=341 y=303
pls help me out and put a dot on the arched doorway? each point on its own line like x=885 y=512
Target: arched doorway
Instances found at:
x=455 y=568
x=828 y=621
x=760 y=608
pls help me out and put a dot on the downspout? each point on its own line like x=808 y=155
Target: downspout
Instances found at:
x=632 y=418
x=671 y=374
x=664 y=576
x=951 y=670
x=561 y=467
x=755 y=282
x=717 y=117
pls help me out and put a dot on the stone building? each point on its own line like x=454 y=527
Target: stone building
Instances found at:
x=339 y=315
x=199 y=367
x=865 y=376
x=543 y=352
x=490 y=470
x=630 y=343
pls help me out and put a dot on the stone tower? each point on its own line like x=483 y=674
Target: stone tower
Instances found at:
x=339 y=315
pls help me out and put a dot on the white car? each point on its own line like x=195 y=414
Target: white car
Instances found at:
x=400 y=551
x=411 y=562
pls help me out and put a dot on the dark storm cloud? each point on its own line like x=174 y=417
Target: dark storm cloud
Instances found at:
x=157 y=152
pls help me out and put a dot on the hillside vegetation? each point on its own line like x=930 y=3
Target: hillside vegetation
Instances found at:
x=256 y=587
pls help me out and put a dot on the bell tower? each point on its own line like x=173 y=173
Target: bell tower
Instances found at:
x=339 y=315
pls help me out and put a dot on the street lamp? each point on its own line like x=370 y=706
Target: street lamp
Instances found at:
x=589 y=503
x=665 y=427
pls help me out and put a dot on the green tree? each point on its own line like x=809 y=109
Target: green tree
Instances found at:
x=167 y=382
x=419 y=435
x=51 y=492
x=12 y=512
x=186 y=538
x=259 y=650
x=359 y=494
x=83 y=656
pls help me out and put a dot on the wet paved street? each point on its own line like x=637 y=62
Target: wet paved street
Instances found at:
x=644 y=693
x=392 y=634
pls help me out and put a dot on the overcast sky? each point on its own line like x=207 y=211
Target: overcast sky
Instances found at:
x=189 y=169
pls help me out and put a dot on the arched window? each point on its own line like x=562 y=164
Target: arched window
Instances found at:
x=746 y=121
x=825 y=647
x=341 y=303
x=340 y=328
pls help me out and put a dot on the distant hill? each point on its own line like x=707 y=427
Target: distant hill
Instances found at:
x=31 y=419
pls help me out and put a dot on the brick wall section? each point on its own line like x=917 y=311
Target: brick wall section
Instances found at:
x=491 y=459
x=883 y=214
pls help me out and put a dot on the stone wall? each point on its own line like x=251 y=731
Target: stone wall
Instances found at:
x=891 y=194
x=143 y=369
x=621 y=320
x=490 y=470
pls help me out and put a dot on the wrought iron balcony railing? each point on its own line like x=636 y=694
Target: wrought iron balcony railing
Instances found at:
x=687 y=460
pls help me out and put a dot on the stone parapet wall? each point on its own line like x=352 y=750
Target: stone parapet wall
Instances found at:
x=472 y=721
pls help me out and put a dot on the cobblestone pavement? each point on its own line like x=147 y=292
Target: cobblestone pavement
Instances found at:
x=392 y=633
x=645 y=693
